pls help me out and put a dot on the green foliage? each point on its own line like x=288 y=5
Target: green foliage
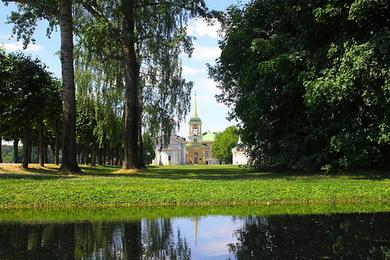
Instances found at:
x=29 y=14
x=160 y=35
x=148 y=148
x=99 y=105
x=105 y=31
x=8 y=153
x=309 y=82
x=29 y=93
x=224 y=143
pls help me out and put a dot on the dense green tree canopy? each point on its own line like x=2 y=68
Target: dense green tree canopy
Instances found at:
x=309 y=81
x=29 y=98
x=224 y=143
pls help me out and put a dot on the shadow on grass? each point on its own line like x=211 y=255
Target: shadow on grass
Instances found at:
x=195 y=173
x=191 y=173
x=36 y=177
x=99 y=170
x=229 y=173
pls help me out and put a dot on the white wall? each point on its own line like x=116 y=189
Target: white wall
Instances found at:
x=239 y=157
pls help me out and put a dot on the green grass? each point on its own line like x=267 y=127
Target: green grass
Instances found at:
x=221 y=187
x=61 y=215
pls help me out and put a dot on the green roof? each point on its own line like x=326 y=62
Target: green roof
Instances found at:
x=195 y=119
x=208 y=137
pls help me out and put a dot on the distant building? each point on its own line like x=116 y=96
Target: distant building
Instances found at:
x=174 y=154
x=208 y=139
x=240 y=156
x=199 y=146
x=197 y=150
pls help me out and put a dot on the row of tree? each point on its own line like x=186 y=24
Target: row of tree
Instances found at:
x=130 y=46
x=30 y=107
x=309 y=81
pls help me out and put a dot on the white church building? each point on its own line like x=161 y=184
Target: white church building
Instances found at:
x=174 y=154
x=240 y=156
x=198 y=148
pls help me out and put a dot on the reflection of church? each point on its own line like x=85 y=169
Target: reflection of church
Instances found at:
x=197 y=150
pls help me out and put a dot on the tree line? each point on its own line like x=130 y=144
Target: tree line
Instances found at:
x=309 y=82
x=125 y=61
x=31 y=112
x=30 y=107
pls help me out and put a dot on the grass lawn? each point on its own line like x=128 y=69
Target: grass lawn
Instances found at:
x=186 y=186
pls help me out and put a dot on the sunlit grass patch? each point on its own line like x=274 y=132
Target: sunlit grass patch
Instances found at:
x=127 y=171
x=33 y=169
x=188 y=186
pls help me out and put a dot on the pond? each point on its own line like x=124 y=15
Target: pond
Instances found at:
x=210 y=237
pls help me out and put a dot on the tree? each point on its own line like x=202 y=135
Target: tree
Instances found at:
x=224 y=143
x=69 y=163
x=3 y=76
x=147 y=38
x=100 y=108
x=25 y=21
x=148 y=148
x=27 y=87
x=305 y=78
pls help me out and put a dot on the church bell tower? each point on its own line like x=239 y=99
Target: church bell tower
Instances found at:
x=195 y=148
x=195 y=127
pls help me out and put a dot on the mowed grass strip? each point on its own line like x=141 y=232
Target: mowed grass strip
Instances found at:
x=184 y=186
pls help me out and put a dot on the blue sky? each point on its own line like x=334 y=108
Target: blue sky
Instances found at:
x=206 y=51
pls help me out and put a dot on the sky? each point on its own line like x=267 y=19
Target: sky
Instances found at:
x=212 y=113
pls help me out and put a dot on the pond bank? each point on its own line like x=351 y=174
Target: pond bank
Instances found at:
x=65 y=215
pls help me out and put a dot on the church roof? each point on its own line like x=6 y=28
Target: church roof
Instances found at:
x=208 y=137
x=195 y=119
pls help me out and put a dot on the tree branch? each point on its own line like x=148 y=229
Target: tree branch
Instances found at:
x=93 y=10
x=52 y=10
x=203 y=13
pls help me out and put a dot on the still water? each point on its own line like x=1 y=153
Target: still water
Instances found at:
x=351 y=236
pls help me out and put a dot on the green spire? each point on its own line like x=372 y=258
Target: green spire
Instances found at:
x=196 y=107
x=195 y=118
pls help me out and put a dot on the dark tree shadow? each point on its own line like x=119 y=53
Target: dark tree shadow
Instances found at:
x=37 y=177
x=192 y=172
x=198 y=173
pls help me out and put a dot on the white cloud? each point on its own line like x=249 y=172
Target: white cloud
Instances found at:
x=191 y=71
x=202 y=52
x=207 y=85
x=200 y=28
x=210 y=101
x=18 y=46
x=206 y=90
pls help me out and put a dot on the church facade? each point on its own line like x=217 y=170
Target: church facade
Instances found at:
x=240 y=155
x=196 y=150
x=174 y=154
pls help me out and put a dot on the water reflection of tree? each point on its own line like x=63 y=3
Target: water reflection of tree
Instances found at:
x=358 y=236
x=152 y=239
x=160 y=243
x=19 y=241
